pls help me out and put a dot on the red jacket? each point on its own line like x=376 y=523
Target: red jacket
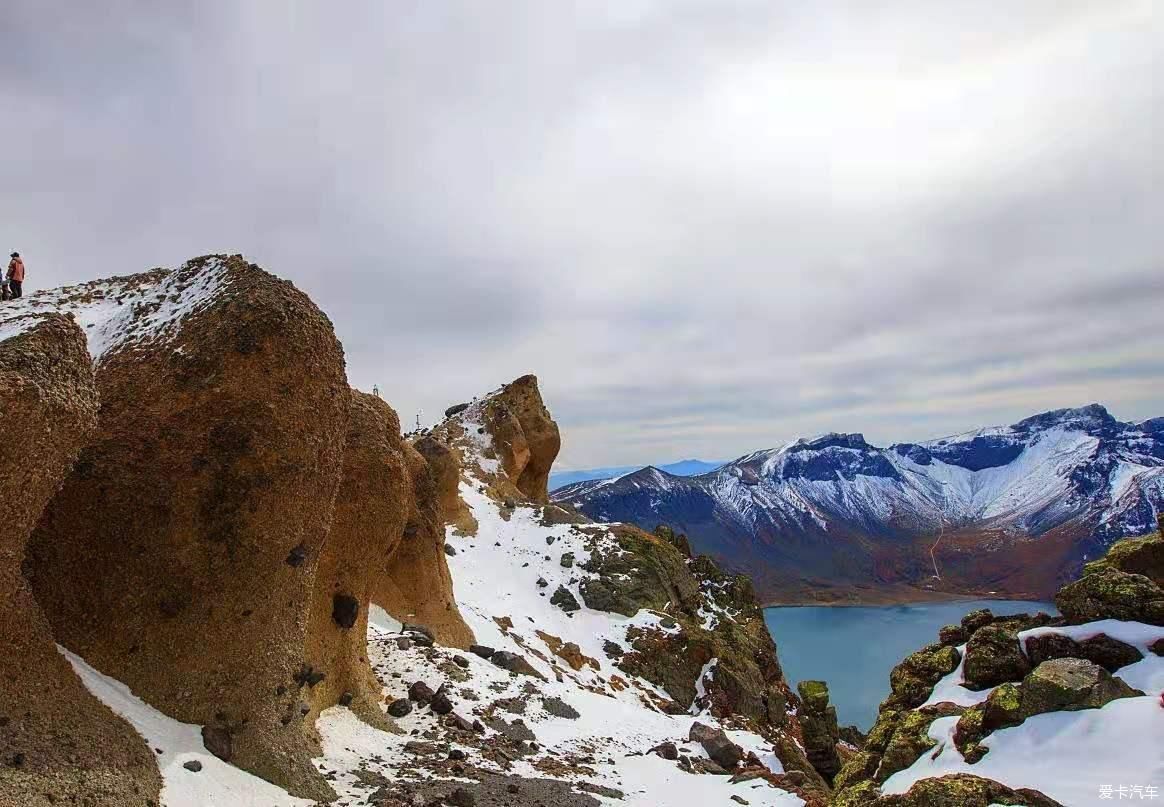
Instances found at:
x=16 y=270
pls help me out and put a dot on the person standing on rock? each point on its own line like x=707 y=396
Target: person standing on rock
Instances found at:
x=16 y=276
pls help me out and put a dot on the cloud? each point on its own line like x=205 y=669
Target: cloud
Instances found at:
x=707 y=226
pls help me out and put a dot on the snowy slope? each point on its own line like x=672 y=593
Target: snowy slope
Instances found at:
x=591 y=728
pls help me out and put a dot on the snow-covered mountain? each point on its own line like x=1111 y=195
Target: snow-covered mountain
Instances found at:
x=1013 y=509
x=560 y=479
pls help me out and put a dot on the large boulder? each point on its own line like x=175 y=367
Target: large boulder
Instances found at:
x=58 y=743
x=1069 y=684
x=913 y=679
x=993 y=657
x=1112 y=594
x=1143 y=555
x=371 y=507
x=180 y=555
x=446 y=474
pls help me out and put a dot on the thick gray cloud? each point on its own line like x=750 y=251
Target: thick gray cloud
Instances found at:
x=707 y=226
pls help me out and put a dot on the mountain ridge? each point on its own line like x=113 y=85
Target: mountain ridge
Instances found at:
x=836 y=512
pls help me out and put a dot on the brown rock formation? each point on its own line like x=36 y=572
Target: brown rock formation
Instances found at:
x=446 y=473
x=180 y=554
x=58 y=743
x=371 y=506
x=522 y=437
x=416 y=586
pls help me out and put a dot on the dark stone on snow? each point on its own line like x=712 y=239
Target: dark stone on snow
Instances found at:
x=440 y=702
x=461 y=662
x=514 y=663
x=559 y=708
x=1109 y=653
x=456 y=409
x=193 y=765
x=420 y=692
x=564 y=600
x=481 y=650
x=400 y=707
x=666 y=751
x=218 y=742
x=450 y=550
x=717 y=745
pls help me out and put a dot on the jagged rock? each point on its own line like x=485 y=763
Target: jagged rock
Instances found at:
x=646 y=573
x=1069 y=684
x=481 y=650
x=515 y=664
x=717 y=745
x=564 y=600
x=956 y=790
x=1134 y=556
x=612 y=649
x=1111 y=594
x=862 y=794
x=911 y=739
x=993 y=657
x=679 y=541
x=818 y=722
x=203 y=495
x=70 y=747
x=567 y=560
x=456 y=409
x=1109 y=653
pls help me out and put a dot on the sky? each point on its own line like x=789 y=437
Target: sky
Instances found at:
x=708 y=227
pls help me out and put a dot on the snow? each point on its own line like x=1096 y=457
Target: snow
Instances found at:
x=1066 y=755
x=951 y=690
x=118 y=312
x=216 y=785
x=1146 y=675
x=649 y=781
x=701 y=686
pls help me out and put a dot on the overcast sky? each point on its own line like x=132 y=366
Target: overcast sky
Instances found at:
x=706 y=226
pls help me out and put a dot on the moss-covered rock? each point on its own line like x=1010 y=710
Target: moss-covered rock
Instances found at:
x=953 y=635
x=911 y=738
x=1111 y=594
x=1069 y=684
x=962 y=790
x=1001 y=709
x=913 y=679
x=1134 y=556
x=818 y=723
x=882 y=731
x=860 y=766
x=977 y=619
x=1109 y=653
x=993 y=657
x=859 y=795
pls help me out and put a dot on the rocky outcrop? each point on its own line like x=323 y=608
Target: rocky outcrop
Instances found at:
x=416 y=585
x=513 y=428
x=446 y=474
x=367 y=526
x=954 y=790
x=180 y=554
x=818 y=722
x=58 y=743
x=1144 y=556
x=1048 y=672
x=1108 y=593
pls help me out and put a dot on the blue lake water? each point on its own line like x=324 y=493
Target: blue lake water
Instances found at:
x=854 y=648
